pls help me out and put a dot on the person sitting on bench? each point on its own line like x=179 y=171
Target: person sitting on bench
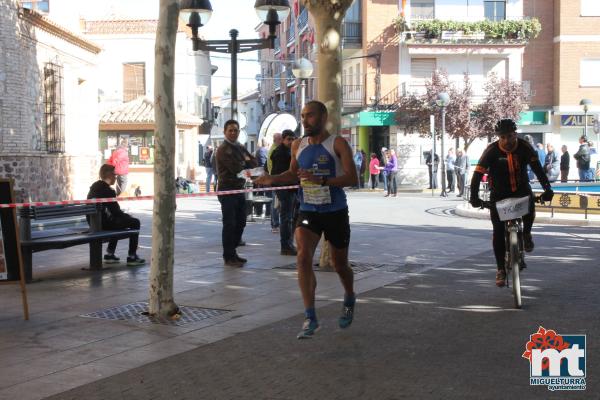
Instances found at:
x=114 y=218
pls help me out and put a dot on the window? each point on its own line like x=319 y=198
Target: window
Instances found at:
x=590 y=8
x=421 y=70
x=37 y=5
x=353 y=13
x=589 y=72
x=496 y=66
x=358 y=82
x=53 y=108
x=134 y=81
x=494 y=10
x=422 y=9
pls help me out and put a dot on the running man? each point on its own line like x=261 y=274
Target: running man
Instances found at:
x=505 y=161
x=324 y=165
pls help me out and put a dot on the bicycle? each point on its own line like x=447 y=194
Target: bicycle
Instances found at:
x=511 y=211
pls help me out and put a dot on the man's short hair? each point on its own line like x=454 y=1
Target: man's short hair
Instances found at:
x=105 y=170
x=583 y=138
x=319 y=106
x=231 y=122
x=287 y=133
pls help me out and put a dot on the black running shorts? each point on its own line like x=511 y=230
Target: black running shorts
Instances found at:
x=336 y=225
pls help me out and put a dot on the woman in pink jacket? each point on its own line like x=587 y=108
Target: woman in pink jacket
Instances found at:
x=374 y=170
x=120 y=160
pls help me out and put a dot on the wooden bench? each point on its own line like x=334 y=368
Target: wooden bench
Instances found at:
x=60 y=238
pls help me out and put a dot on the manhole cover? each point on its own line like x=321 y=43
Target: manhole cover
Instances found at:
x=136 y=312
x=356 y=266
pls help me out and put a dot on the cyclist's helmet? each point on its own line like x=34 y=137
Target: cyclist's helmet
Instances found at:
x=505 y=126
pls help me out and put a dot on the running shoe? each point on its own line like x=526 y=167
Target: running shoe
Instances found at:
x=346 y=317
x=309 y=327
x=500 y=278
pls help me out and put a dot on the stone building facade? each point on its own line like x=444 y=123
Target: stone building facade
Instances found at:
x=48 y=106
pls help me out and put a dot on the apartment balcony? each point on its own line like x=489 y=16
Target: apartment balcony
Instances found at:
x=302 y=21
x=277 y=82
x=353 y=96
x=351 y=35
x=452 y=35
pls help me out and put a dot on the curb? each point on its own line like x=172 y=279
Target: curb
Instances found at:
x=465 y=210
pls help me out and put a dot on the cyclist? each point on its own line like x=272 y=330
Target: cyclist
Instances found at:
x=505 y=161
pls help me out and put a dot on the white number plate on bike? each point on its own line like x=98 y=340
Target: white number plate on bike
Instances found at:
x=512 y=208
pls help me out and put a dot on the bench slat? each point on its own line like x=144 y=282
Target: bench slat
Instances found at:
x=76 y=239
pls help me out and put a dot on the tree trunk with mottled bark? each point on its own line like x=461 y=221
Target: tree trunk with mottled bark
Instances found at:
x=163 y=214
x=328 y=16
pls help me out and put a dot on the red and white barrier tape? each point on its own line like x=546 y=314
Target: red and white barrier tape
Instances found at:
x=110 y=200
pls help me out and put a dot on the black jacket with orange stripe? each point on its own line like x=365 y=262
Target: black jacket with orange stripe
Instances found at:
x=507 y=171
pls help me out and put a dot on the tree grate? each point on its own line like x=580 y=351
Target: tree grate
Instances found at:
x=357 y=267
x=138 y=312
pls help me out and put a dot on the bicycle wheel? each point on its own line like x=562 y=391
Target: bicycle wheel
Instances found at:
x=514 y=265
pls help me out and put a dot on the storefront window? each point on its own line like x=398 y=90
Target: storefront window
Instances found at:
x=141 y=146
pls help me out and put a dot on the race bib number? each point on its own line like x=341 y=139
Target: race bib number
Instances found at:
x=315 y=194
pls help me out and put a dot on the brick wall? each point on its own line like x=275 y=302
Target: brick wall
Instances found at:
x=538 y=59
x=379 y=36
x=39 y=175
x=569 y=55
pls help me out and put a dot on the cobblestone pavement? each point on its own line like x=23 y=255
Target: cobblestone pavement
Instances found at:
x=439 y=333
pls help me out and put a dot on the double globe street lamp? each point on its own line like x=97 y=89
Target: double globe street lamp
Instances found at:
x=196 y=13
x=443 y=99
x=585 y=103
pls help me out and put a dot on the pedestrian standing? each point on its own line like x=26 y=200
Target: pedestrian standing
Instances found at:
x=564 y=164
x=391 y=169
x=450 y=159
x=460 y=169
x=363 y=169
x=583 y=159
x=281 y=159
x=358 y=161
x=324 y=165
x=231 y=159
x=374 y=171
x=551 y=163
x=275 y=218
x=120 y=160
x=208 y=165
x=593 y=173
x=384 y=160
x=432 y=162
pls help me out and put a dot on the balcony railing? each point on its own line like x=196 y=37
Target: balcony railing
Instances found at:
x=277 y=81
x=353 y=95
x=302 y=20
x=277 y=47
x=291 y=34
x=352 y=34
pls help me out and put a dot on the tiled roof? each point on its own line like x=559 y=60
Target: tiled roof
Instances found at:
x=127 y=26
x=141 y=111
x=45 y=23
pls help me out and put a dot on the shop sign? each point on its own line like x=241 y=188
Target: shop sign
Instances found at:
x=577 y=120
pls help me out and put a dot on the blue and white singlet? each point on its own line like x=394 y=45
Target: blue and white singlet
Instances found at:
x=322 y=160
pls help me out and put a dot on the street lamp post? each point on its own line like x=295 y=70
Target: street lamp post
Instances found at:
x=443 y=99
x=586 y=103
x=196 y=14
x=303 y=70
